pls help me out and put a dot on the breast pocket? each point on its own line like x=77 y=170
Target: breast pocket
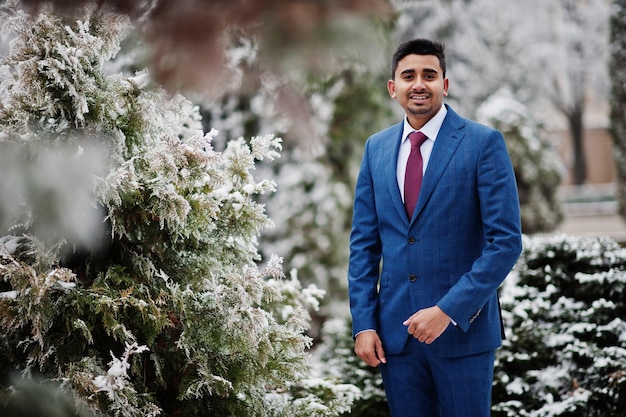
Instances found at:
x=454 y=177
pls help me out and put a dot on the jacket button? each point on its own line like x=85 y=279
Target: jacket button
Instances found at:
x=412 y=277
x=411 y=240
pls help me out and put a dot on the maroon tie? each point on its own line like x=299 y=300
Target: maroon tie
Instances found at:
x=413 y=175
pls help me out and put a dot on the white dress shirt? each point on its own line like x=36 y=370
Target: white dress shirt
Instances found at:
x=431 y=130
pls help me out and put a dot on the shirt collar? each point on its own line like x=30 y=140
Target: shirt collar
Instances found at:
x=431 y=128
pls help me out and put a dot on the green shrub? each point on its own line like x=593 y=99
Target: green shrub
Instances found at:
x=564 y=308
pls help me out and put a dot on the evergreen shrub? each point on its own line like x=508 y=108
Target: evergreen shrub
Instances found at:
x=564 y=308
x=165 y=306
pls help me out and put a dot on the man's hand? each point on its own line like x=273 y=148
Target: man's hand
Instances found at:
x=369 y=348
x=428 y=324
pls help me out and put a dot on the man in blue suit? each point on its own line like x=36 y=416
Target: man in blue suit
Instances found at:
x=423 y=285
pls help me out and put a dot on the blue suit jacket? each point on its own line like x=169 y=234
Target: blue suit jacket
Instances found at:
x=463 y=239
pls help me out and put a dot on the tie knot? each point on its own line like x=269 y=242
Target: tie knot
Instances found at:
x=417 y=138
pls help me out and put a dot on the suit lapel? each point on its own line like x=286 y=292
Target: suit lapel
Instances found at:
x=448 y=140
x=391 y=179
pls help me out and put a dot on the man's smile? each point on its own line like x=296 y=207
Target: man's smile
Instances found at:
x=419 y=98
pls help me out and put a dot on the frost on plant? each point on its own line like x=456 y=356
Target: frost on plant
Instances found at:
x=165 y=309
x=564 y=310
x=117 y=375
x=115 y=384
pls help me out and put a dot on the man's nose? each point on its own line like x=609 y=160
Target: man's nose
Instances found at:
x=418 y=83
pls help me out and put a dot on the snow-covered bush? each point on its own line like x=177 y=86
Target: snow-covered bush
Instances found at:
x=161 y=309
x=565 y=316
x=339 y=362
x=317 y=171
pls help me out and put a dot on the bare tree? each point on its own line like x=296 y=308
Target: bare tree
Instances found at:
x=617 y=72
x=575 y=50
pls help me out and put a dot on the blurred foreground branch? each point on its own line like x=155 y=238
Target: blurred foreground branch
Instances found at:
x=187 y=39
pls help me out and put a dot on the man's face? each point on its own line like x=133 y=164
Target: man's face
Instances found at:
x=419 y=86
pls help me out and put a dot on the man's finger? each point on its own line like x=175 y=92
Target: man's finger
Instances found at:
x=380 y=353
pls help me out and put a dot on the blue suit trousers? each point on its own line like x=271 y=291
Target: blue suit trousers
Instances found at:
x=420 y=383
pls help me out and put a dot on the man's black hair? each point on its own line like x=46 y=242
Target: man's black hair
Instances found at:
x=419 y=47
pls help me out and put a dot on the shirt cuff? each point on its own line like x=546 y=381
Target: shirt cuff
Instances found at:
x=363 y=331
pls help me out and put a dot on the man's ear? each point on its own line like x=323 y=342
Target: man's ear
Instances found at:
x=445 y=87
x=391 y=87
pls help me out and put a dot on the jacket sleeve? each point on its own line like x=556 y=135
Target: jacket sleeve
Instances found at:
x=500 y=216
x=365 y=251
